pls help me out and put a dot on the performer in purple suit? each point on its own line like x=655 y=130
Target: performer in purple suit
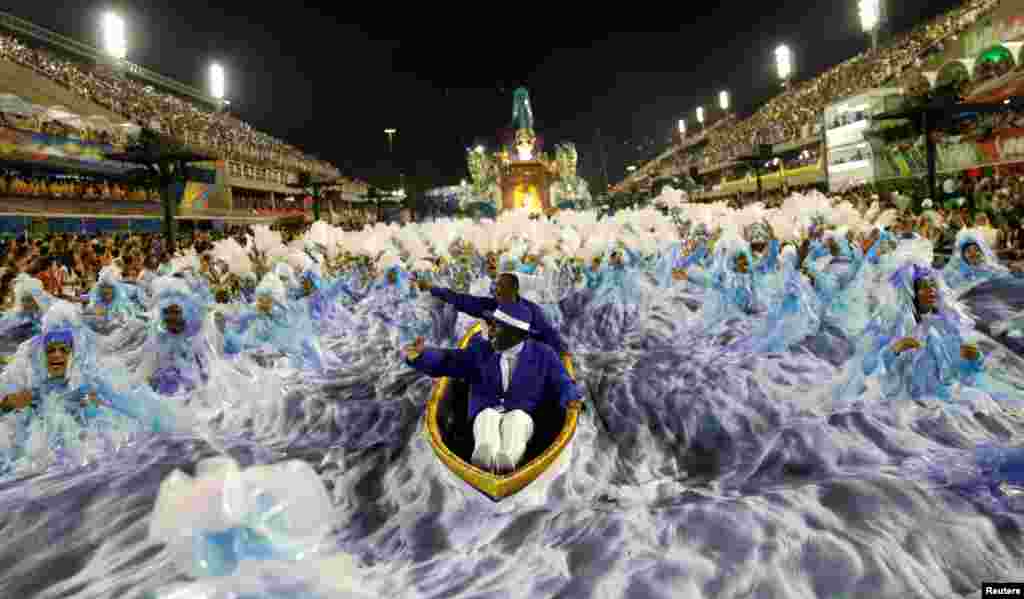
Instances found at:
x=506 y=385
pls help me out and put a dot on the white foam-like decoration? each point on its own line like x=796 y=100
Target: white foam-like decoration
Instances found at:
x=423 y=266
x=299 y=261
x=109 y=275
x=26 y=286
x=189 y=260
x=164 y=286
x=62 y=314
x=389 y=260
x=273 y=286
x=286 y=503
x=264 y=239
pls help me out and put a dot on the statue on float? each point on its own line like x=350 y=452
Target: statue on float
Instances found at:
x=569 y=190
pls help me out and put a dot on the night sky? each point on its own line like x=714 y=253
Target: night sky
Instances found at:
x=331 y=87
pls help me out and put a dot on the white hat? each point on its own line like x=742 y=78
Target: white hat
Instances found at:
x=516 y=315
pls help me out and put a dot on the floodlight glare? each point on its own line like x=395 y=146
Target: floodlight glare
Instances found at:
x=114 y=39
x=700 y=115
x=723 y=100
x=784 y=61
x=869 y=15
x=682 y=127
x=217 y=81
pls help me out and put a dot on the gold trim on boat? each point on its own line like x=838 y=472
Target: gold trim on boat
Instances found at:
x=496 y=486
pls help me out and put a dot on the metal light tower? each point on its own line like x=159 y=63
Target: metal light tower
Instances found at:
x=870 y=18
x=391 y=137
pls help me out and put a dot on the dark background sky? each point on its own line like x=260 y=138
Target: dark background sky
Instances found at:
x=331 y=87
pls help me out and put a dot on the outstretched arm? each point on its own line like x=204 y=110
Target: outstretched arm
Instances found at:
x=467 y=304
x=456 y=363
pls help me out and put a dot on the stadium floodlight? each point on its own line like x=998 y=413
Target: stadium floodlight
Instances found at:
x=870 y=17
x=700 y=115
x=723 y=100
x=682 y=127
x=784 y=62
x=391 y=136
x=115 y=41
x=217 y=81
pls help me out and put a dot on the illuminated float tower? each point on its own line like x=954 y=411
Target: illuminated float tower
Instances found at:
x=525 y=175
x=519 y=175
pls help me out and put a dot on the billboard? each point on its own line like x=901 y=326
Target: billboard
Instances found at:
x=21 y=145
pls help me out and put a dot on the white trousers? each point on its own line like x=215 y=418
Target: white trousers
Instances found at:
x=500 y=439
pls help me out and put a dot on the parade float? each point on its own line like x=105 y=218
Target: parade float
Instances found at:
x=520 y=175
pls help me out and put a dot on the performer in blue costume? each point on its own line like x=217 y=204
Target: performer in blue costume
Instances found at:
x=973 y=262
x=919 y=344
x=111 y=303
x=175 y=356
x=56 y=377
x=24 y=320
x=271 y=328
x=321 y=302
x=506 y=385
x=734 y=282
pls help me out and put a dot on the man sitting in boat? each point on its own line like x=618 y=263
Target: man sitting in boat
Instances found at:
x=506 y=293
x=507 y=385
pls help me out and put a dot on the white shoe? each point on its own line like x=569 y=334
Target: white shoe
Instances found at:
x=484 y=458
x=505 y=463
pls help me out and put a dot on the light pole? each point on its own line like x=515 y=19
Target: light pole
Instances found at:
x=723 y=101
x=391 y=136
x=870 y=18
x=784 y=63
x=682 y=128
x=700 y=117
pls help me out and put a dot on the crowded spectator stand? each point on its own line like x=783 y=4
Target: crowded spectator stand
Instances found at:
x=794 y=116
x=204 y=131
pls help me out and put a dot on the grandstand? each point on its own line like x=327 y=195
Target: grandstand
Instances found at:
x=63 y=110
x=792 y=122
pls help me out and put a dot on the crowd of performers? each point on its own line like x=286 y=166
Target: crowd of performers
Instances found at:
x=154 y=351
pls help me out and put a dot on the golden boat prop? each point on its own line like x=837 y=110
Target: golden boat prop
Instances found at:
x=451 y=435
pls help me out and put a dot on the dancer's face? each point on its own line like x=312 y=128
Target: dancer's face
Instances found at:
x=58 y=358
x=174 y=319
x=973 y=255
x=505 y=289
x=107 y=294
x=927 y=294
x=265 y=304
x=742 y=264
